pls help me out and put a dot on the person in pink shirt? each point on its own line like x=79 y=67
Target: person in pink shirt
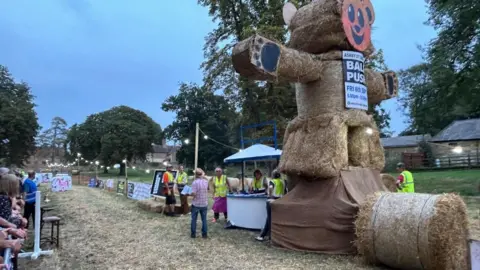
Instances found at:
x=199 y=202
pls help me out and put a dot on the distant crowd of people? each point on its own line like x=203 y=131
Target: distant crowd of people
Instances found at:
x=200 y=187
x=16 y=193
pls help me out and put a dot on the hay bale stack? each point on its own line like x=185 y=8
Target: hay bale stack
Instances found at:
x=390 y=182
x=156 y=206
x=317 y=28
x=151 y=205
x=413 y=231
x=331 y=133
x=144 y=204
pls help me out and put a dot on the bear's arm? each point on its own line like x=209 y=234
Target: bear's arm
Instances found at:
x=381 y=86
x=258 y=58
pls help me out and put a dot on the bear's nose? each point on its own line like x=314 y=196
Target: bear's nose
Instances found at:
x=357 y=28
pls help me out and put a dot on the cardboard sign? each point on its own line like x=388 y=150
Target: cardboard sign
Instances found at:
x=474 y=254
x=46 y=177
x=92 y=182
x=138 y=191
x=157 y=185
x=130 y=189
x=356 y=96
x=120 y=186
x=357 y=19
x=109 y=183
x=61 y=183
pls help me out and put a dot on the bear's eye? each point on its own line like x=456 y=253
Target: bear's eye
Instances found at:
x=369 y=14
x=351 y=13
x=361 y=20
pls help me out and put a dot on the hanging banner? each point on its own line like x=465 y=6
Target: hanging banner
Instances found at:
x=120 y=186
x=130 y=189
x=61 y=183
x=356 y=96
x=139 y=191
x=474 y=254
x=109 y=184
x=46 y=177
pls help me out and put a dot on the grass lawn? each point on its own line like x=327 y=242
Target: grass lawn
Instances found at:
x=133 y=175
x=106 y=231
x=464 y=182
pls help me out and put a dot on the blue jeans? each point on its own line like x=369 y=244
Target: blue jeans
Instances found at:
x=203 y=215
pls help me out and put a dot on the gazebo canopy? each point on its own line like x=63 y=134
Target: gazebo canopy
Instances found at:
x=254 y=152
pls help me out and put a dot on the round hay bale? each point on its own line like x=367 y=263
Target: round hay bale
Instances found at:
x=390 y=182
x=413 y=231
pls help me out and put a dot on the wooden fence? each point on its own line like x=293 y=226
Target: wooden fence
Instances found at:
x=419 y=161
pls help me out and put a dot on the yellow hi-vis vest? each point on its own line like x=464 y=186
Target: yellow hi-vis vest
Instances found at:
x=278 y=188
x=182 y=178
x=407 y=186
x=220 y=186
x=257 y=183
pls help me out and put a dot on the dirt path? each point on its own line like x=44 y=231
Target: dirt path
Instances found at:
x=106 y=231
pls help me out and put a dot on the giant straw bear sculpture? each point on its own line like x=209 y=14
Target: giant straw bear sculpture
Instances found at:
x=332 y=149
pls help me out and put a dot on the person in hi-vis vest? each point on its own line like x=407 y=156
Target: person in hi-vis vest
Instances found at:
x=181 y=181
x=405 y=181
x=170 y=200
x=276 y=189
x=258 y=184
x=220 y=189
x=182 y=176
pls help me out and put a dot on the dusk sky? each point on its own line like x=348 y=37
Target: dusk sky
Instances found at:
x=84 y=56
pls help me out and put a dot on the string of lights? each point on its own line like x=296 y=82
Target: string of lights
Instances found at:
x=205 y=136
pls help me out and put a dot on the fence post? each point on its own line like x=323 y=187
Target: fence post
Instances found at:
x=469 y=165
x=449 y=162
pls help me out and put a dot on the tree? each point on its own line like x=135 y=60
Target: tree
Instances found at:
x=18 y=120
x=194 y=104
x=447 y=86
x=420 y=102
x=54 y=137
x=377 y=63
x=114 y=135
x=236 y=20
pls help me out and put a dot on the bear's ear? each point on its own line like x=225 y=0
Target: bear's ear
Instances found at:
x=289 y=11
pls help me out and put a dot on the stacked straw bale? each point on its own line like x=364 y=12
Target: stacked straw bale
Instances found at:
x=413 y=231
x=390 y=182
x=317 y=28
x=323 y=145
x=151 y=205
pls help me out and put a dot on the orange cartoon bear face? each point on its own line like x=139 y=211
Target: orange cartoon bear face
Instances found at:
x=325 y=25
x=357 y=19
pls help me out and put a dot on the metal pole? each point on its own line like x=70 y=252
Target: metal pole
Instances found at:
x=197 y=129
x=125 y=187
x=78 y=169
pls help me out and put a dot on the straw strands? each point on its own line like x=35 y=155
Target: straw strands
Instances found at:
x=413 y=231
x=390 y=182
x=317 y=28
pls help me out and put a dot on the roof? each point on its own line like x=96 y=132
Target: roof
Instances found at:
x=462 y=130
x=404 y=141
x=254 y=152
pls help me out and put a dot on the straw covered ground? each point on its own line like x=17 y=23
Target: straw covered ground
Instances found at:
x=106 y=231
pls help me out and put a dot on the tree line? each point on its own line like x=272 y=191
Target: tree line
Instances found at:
x=445 y=87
